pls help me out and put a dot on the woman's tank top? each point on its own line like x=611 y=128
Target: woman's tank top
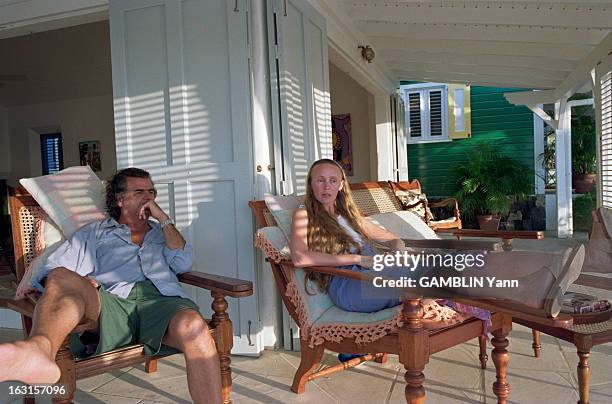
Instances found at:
x=350 y=231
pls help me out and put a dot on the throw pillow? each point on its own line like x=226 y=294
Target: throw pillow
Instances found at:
x=416 y=203
x=282 y=208
x=72 y=197
x=48 y=239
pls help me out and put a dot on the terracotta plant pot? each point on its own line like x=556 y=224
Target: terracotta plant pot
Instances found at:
x=488 y=222
x=583 y=183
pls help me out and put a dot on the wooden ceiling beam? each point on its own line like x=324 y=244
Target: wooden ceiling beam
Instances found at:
x=570 y=52
x=420 y=31
x=532 y=62
x=518 y=72
x=492 y=13
x=477 y=79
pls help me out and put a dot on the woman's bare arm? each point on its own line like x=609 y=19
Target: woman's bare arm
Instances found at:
x=302 y=257
x=382 y=236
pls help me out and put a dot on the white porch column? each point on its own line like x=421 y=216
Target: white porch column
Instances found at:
x=563 y=164
x=384 y=139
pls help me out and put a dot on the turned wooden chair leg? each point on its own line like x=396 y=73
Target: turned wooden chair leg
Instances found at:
x=310 y=359
x=65 y=361
x=584 y=376
x=382 y=359
x=536 y=345
x=414 y=350
x=224 y=339
x=500 y=358
x=151 y=365
x=482 y=344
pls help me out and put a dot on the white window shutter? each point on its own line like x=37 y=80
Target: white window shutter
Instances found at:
x=436 y=127
x=460 y=112
x=414 y=114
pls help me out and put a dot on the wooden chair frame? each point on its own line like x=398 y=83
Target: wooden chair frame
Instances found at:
x=220 y=324
x=412 y=342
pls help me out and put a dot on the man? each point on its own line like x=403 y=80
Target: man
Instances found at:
x=120 y=274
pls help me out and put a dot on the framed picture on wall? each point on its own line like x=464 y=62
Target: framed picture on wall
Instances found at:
x=342 y=142
x=89 y=154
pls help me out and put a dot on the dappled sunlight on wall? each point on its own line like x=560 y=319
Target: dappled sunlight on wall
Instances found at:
x=322 y=112
x=299 y=152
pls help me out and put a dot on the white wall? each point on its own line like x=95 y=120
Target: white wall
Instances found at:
x=65 y=86
x=78 y=120
x=349 y=97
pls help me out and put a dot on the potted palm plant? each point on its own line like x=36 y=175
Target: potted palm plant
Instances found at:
x=489 y=182
x=583 y=153
x=584 y=146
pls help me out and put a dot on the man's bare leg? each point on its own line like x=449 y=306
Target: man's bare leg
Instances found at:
x=189 y=333
x=68 y=298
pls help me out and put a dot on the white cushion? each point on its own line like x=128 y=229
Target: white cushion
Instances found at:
x=282 y=208
x=273 y=243
x=404 y=224
x=48 y=239
x=72 y=197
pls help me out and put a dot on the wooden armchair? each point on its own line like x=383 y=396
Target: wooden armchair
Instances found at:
x=24 y=209
x=405 y=335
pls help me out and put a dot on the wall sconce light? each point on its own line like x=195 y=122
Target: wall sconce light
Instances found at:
x=367 y=53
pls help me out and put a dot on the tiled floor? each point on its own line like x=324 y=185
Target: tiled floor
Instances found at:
x=452 y=376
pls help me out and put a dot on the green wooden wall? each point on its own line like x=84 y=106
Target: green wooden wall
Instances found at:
x=493 y=119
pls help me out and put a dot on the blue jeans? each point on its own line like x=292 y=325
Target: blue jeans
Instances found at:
x=364 y=297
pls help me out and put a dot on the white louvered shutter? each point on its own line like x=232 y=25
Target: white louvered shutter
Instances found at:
x=414 y=114
x=436 y=128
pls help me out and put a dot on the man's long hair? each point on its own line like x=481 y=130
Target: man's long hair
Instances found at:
x=116 y=186
x=324 y=233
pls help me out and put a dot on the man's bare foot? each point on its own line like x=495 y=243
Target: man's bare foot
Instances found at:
x=27 y=361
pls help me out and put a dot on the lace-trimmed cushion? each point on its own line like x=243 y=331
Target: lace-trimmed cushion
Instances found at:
x=272 y=242
x=281 y=208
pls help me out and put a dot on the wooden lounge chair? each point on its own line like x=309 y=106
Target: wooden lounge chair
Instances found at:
x=595 y=328
x=24 y=211
x=402 y=332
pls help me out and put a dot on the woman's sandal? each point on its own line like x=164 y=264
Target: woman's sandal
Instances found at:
x=568 y=274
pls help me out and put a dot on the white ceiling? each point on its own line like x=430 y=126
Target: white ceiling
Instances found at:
x=530 y=44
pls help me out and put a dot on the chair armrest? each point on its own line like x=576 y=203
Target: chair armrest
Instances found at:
x=216 y=283
x=454 y=244
x=21 y=306
x=534 y=235
x=445 y=202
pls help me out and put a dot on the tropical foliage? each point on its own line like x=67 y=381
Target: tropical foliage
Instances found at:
x=490 y=181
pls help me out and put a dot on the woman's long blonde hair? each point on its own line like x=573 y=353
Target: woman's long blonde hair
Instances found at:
x=324 y=233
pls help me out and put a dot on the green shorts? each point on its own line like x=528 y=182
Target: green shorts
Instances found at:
x=142 y=317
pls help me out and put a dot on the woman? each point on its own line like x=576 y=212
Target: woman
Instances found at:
x=330 y=231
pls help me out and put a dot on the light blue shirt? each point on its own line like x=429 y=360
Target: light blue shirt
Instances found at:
x=104 y=251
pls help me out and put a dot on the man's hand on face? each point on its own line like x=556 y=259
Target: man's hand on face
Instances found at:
x=151 y=208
